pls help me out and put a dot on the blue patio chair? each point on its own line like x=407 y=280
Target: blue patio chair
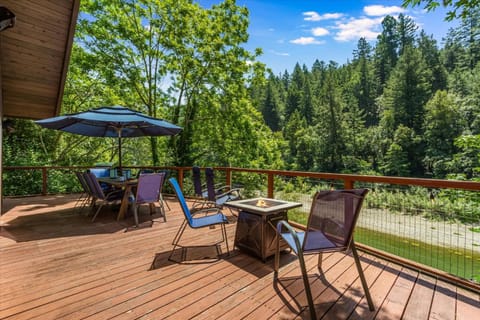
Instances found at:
x=99 y=195
x=217 y=194
x=197 y=220
x=149 y=190
x=330 y=228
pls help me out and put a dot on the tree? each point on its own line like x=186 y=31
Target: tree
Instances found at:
x=403 y=102
x=364 y=82
x=406 y=30
x=294 y=91
x=442 y=125
x=458 y=8
x=272 y=105
x=129 y=41
x=386 y=50
x=431 y=55
x=408 y=90
x=330 y=123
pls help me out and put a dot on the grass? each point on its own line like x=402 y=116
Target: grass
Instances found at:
x=458 y=261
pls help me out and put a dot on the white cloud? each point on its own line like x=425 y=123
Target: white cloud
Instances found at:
x=357 y=28
x=314 y=16
x=320 y=32
x=306 y=41
x=379 y=10
x=283 y=54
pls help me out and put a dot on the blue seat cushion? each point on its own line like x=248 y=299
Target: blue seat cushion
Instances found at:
x=208 y=220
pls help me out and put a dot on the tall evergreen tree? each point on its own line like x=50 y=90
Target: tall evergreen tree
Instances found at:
x=272 y=105
x=431 y=55
x=386 y=50
x=406 y=31
x=403 y=102
x=442 y=124
x=364 y=87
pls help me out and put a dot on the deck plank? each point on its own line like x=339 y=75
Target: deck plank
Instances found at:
x=420 y=301
x=56 y=264
x=443 y=305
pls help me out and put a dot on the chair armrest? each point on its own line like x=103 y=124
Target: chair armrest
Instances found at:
x=283 y=223
x=231 y=191
x=113 y=192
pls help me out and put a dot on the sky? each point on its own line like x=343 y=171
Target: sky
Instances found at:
x=291 y=31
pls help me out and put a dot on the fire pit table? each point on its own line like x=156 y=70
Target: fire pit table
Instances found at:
x=256 y=225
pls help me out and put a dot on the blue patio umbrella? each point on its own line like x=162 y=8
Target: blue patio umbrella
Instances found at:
x=115 y=122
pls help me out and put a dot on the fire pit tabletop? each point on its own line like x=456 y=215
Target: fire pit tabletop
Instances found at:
x=262 y=205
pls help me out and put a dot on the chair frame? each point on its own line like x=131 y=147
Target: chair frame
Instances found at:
x=300 y=250
x=86 y=194
x=217 y=192
x=191 y=219
x=98 y=194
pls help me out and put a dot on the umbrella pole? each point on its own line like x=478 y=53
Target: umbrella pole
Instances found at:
x=120 y=171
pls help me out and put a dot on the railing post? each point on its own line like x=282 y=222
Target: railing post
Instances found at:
x=228 y=177
x=180 y=178
x=44 y=181
x=270 y=186
x=348 y=184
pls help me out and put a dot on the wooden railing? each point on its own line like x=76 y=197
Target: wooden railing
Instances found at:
x=349 y=180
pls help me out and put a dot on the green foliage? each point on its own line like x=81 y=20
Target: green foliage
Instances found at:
x=457 y=8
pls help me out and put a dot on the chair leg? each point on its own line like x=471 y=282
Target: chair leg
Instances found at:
x=162 y=202
x=176 y=239
x=135 y=214
x=276 y=264
x=224 y=235
x=320 y=259
x=162 y=209
x=362 y=277
x=96 y=213
x=306 y=283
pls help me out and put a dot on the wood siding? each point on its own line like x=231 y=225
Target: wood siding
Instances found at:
x=35 y=56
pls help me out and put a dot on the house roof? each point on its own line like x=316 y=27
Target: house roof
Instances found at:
x=34 y=56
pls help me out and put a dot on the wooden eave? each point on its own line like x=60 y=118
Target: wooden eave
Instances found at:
x=34 y=56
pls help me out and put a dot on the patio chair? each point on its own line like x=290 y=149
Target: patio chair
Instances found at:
x=167 y=174
x=199 y=194
x=149 y=190
x=99 y=195
x=102 y=173
x=217 y=195
x=85 y=195
x=197 y=220
x=330 y=228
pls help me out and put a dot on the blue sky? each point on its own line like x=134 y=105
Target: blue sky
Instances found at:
x=302 y=31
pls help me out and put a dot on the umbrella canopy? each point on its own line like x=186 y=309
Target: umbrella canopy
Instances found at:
x=116 y=122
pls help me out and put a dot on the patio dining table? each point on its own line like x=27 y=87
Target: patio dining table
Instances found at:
x=127 y=185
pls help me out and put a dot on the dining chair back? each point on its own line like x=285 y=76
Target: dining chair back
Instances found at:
x=330 y=227
x=149 y=191
x=197 y=181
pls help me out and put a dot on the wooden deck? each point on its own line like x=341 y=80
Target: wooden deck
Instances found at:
x=56 y=264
